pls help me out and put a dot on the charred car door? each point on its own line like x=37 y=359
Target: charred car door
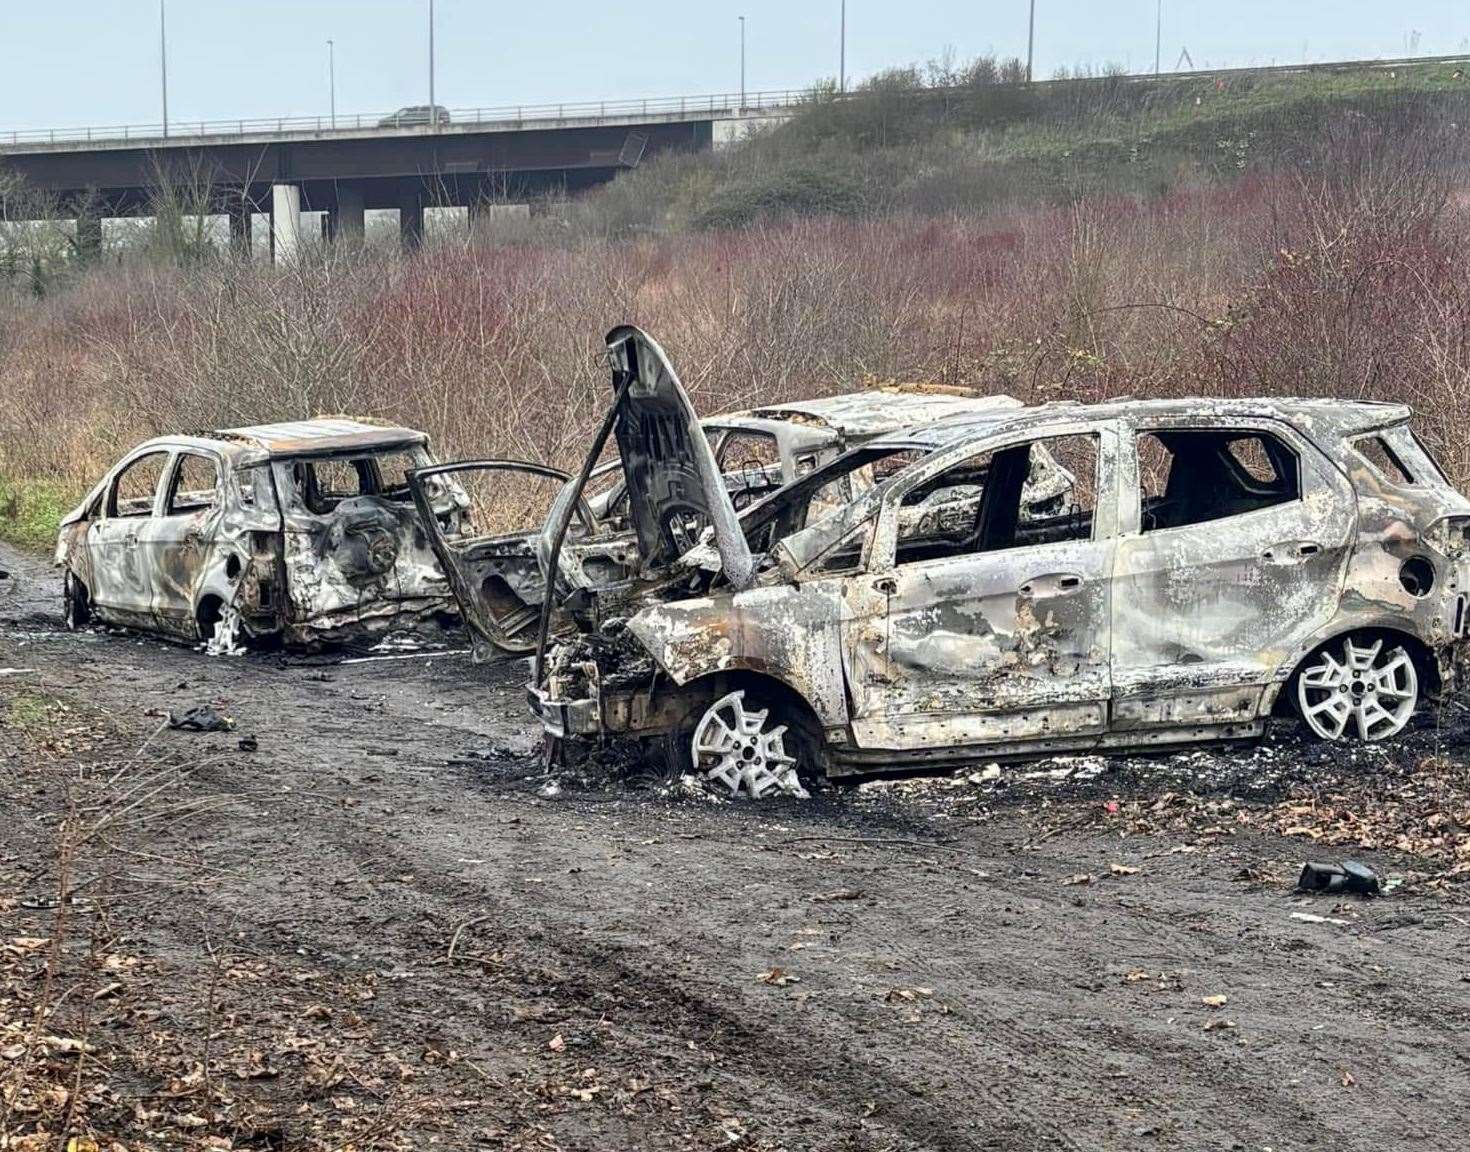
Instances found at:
x=179 y=542
x=1236 y=537
x=122 y=576
x=492 y=565
x=992 y=627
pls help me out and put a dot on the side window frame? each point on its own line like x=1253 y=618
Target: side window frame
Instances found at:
x=109 y=502
x=176 y=472
x=1106 y=512
x=1130 y=496
x=1381 y=435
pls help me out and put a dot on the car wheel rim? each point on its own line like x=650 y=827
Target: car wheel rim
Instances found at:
x=225 y=640
x=736 y=746
x=75 y=615
x=1364 y=692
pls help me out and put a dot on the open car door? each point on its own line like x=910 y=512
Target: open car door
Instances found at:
x=491 y=563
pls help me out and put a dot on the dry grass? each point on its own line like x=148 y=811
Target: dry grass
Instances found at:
x=1344 y=285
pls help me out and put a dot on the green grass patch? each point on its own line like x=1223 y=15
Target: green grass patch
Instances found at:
x=31 y=510
x=27 y=712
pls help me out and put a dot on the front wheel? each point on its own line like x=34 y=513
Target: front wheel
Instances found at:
x=738 y=743
x=76 y=603
x=1358 y=688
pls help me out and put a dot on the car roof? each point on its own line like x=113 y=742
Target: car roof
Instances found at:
x=321 y=436
x=1323 y=419
x=875 y=412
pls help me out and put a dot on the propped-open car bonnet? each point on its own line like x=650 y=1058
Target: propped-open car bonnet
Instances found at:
x=674 y=483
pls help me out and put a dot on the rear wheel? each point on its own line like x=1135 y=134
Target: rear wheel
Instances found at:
x=221 y=628
x=76 y=603
x=1358 y=688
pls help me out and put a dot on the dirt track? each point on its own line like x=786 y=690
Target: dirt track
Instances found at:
x=938 y=974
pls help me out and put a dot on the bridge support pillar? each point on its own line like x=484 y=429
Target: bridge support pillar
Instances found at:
x=347 y=221
x=411 y=216
x=240 y=238
x=89 y=235
x=285 y=222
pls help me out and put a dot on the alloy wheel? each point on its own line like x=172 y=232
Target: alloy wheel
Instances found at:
x=1359 y=691
x=736 y=746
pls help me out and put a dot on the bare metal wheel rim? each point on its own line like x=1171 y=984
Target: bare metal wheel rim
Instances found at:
x=70 y=603
x=738 y=747
x=1358 y=690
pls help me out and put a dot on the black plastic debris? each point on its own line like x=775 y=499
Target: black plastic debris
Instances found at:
x=248 y=744
x=200 y=718
x=1348 y=876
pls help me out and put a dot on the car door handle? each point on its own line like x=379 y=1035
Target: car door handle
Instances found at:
x=1291 y=552
x=886 y=585
x=1053 y=584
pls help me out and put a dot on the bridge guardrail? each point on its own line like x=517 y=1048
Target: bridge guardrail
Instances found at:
x=725 y=103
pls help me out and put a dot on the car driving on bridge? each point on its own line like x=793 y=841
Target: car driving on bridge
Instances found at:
x=417 y=116
x=1214 y=559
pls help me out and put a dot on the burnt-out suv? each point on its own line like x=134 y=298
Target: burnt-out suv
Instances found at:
x=304 y=532
x=1215 y=558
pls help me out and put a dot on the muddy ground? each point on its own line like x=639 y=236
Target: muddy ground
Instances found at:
x=386 y=927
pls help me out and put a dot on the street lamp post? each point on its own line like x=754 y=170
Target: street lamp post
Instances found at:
x=163 y=59
x=332 y=78
x=1158 y=36
x=842 y=52
x=433 y=119
x=1030 y=41
x=742 y=63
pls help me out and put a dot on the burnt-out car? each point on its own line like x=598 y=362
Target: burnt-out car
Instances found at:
x=499 y=570
x=302 y=531
x=1214 y=559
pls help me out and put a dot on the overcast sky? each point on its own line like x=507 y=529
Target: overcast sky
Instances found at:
x=96 y=62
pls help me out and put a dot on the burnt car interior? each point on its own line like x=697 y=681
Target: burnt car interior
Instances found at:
x=751 y=464
x=326 y=482
x=136 y=485
x=1193 y=475
x=194 y=487
x=982 y=504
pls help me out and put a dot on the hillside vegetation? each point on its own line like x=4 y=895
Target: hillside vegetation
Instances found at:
x=946 y=139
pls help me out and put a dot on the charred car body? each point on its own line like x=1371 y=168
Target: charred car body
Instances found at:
x=304 y=531
x=499 y=577
x=1213 y=559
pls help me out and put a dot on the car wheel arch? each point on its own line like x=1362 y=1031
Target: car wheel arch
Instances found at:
x=792 y=708
x=207 y=613
x=1426 y=665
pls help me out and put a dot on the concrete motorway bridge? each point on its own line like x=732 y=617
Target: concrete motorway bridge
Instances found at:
x=473 y=159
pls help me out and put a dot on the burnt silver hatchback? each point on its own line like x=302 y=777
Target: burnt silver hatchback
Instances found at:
x=304 y=532
x=1214 y=559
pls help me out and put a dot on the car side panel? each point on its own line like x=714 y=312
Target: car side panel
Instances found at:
x=1204 y=615
x=788 y=632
